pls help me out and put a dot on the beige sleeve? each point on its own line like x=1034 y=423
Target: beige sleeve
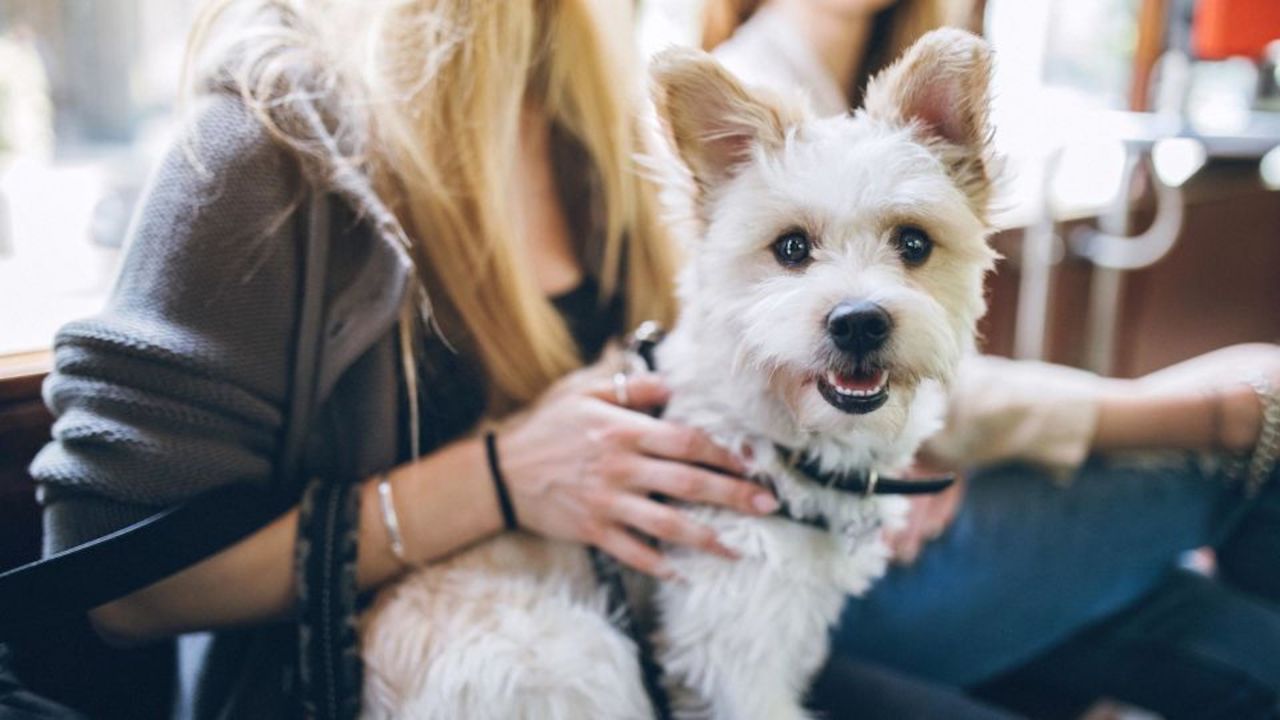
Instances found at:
x=1001 y=409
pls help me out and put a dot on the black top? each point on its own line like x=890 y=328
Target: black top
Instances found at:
x=453 y=396
x=590 y=321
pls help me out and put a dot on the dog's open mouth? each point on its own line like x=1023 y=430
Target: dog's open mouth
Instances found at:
x=857 y=392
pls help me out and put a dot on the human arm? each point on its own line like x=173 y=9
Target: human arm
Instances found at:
x=1202 y=404
x=1052 y=415
x=253 y=580
x=1000 y=409
x=587 y=480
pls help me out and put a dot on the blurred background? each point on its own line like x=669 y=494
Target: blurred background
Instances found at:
x=1140 y=219
x=87 y=92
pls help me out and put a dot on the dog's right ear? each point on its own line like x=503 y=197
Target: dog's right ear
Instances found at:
x=713 y=120
x=942 y=84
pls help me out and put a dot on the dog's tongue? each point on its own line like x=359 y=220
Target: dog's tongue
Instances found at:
x=858 y=382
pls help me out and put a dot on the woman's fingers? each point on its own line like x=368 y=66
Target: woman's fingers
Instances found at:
x=630 y=551
x=694 y=484
x=905 y=542
x=948 y=502
x=645 y=391
x=929 y=518
x=667 y=523
x=676 y=442
x=639 y=391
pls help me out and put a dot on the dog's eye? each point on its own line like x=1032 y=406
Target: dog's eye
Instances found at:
x=792 y=249
x=914 y=245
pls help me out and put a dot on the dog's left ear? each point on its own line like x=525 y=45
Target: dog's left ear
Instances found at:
x=942 y=83
x=715 y=122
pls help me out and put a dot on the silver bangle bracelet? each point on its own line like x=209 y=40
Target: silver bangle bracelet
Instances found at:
x=391 y=520
x=1267 y=449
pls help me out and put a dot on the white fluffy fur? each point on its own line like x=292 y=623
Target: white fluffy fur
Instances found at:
x=516 y=628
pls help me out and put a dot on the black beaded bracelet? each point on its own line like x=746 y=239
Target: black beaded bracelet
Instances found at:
x=499 y=484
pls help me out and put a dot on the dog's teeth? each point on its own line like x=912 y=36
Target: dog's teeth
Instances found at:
x=833 y=379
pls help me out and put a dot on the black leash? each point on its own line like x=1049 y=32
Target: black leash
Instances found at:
x=609 y=573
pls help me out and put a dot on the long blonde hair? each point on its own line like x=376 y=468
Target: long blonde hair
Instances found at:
x=414 y=106
x=893 y=29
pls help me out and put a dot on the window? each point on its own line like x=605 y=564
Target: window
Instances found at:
x=86 y=97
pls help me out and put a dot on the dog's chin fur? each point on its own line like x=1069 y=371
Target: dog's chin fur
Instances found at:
x=517 y=627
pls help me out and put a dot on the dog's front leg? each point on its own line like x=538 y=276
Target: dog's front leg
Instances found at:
x=858 y=526
x=742 y=640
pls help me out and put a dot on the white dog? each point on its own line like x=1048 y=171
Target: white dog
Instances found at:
x=832 y=294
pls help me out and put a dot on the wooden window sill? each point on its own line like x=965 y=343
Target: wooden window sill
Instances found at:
x=21 y=375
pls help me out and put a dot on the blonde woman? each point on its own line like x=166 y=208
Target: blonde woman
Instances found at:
x=1049 y=595
x=835 y=45
x=489 y=235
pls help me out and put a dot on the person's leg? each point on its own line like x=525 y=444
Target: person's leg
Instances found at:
x=847 y=689
x=1193 y=648
x=1026 y=564
x=1249 y=556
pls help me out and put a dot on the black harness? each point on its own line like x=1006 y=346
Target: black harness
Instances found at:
x=644 y=341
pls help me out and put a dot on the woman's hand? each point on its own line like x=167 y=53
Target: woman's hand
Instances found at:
x=928 y=518
x=579 y=466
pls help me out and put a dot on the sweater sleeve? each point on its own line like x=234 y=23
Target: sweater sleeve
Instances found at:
x=179 y=384
x=1001 y=409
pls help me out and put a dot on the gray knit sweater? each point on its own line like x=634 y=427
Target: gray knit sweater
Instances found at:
x=179 y=384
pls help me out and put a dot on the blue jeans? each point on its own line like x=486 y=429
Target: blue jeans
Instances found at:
x=1077 y=588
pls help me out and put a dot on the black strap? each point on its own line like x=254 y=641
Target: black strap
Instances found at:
x=112 y=566
x=862 y=482
x=609 y=574
x=307 y=341
x=78 y=579
x=329 y=664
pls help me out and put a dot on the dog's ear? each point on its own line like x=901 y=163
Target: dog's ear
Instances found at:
x=713 y=120
x=942 y=83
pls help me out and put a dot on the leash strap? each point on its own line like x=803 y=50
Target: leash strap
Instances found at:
x=48 y=592
x=609 y=574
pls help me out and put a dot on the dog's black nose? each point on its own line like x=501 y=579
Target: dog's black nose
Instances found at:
x=859 y=327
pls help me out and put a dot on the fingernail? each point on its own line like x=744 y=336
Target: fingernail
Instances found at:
x=665 y=572
x=765 y=503
x=727 y=551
